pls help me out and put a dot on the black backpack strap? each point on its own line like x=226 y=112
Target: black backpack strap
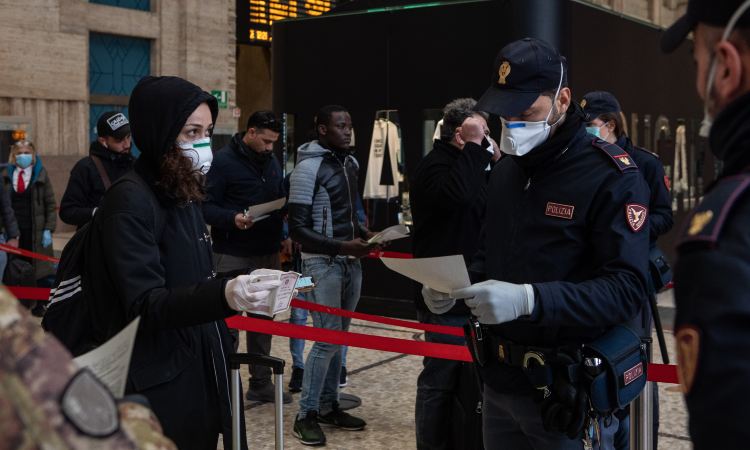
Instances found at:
x=102 y=172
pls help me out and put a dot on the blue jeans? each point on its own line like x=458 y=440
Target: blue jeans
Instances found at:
x=338 y=281
x=437 y=386
x=515 y=421
x=297 y=346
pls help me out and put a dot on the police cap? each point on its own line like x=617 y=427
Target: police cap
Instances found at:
x=523 y=70
x=596 y=103
x=709 y=12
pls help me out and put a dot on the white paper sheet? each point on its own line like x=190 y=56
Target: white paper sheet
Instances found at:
x=110 y=361
x=280 y=298
x=390 y=234
x=443 y=273
x=265 y=208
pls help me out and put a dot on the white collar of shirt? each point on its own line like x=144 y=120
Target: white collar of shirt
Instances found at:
x=26 y=177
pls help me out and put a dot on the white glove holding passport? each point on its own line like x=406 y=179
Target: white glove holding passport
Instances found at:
x=247 y=291
x=437 y=302
x=494 y=302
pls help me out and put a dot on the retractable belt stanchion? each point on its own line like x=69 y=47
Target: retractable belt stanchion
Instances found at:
x=277 y=365
x=641 y=412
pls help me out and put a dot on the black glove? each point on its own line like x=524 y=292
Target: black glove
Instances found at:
x=566 y=408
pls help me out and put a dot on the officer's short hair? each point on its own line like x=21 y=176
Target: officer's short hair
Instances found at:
x=551 y=93
x=264 y=120
x=454 y=114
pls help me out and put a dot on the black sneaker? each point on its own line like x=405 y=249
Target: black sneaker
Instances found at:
x=343 y=420
x=343 y=380
x=295 y=384
x=308 y=431
x=264 y=392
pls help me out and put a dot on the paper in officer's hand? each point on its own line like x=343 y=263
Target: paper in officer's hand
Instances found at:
x=390 y=234
x=442 y=273
x=264 y=208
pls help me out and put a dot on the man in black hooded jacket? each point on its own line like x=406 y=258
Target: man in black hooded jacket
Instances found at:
x=109 y=159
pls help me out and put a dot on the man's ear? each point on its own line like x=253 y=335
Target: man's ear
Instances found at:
x=564 y=99
x=728 y=78
x=252 y=132
x=322 y=130
x=103 y=141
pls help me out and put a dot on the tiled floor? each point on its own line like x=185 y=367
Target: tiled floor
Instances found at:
x=386 y=382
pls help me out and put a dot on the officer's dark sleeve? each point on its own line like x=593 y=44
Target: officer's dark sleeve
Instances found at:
x=76 y=207
x=711 y=294
x=214 y=213
x=460 y=182
x=660 y=205
x=618 y=257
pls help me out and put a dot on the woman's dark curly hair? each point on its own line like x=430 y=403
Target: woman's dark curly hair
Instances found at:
x=178 y=180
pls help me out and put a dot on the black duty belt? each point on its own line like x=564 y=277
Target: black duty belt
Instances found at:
x=532 y=360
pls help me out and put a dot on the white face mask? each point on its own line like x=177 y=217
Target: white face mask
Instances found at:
x=520 y=137
x=708 y=121
x=199 y=152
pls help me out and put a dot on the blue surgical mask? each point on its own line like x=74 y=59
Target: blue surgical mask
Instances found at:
x=597 y=131
x=23 y=161
x=594 y=130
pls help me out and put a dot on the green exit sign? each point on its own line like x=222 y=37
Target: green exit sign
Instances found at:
x=222 y=97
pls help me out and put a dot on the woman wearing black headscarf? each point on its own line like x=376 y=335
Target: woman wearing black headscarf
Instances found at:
x=150 y=256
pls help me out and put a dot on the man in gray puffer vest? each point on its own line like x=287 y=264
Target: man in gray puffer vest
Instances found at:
x=322 y=219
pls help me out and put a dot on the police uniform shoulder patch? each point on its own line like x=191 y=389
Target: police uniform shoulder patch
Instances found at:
x=688 y=343
x=620 y=157
x=647 y=151
x=704 y=224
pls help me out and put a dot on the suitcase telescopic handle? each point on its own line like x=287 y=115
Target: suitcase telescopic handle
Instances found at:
x=238 y=359
x=277 y=365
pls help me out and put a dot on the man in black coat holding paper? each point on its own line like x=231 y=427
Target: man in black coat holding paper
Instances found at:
x=448 y=197
x=246 y=173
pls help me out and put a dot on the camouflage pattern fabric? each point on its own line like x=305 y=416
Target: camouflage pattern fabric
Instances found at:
x=34 y=371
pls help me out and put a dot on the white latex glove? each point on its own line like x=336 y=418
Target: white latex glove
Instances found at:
x=247 y=291
x=437 y=302
x=494 y=302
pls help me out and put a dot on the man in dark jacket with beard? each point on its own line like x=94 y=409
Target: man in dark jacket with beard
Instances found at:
x=245 y=173
x=109 y=159
x=448 y=196
x=712 y=273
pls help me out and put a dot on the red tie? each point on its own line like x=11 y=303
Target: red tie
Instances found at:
x=21 y=185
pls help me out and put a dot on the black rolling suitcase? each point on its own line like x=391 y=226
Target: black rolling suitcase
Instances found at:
x=277 y=365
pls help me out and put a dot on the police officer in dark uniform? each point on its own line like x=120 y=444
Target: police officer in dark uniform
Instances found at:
x=603 y=114
x=712 y=272
x=606 y=122
x=563 y=255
